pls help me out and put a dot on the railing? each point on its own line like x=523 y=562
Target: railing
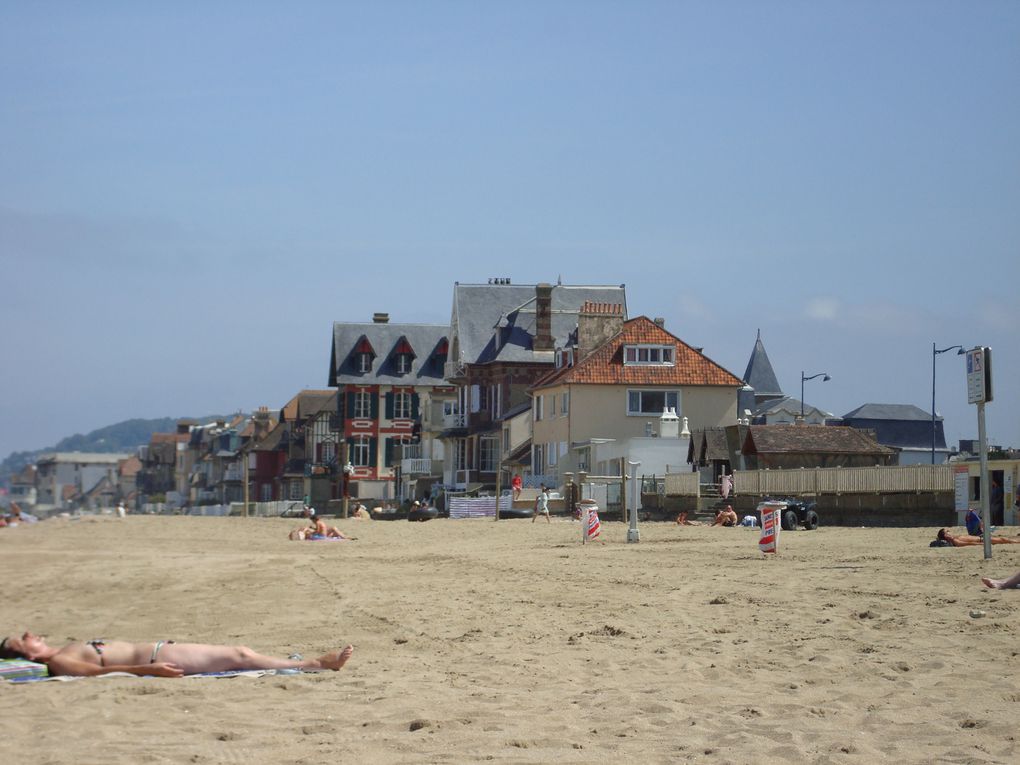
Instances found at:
x=453 y=370
x=233 y=473
x=416 y=466
x=410 y=451
x=454 y=421
x=534 y=481
x=839 y=480
x=683 y=484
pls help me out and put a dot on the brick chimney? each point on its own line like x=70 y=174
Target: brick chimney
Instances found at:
x=543 y=318
x=596 y=323
x=380 y=318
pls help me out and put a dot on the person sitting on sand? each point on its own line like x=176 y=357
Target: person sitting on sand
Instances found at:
x=970 y=540
x=726 y=517
x=1002 y=584
x=973 y=523
x=317 y=529
x=163 y=658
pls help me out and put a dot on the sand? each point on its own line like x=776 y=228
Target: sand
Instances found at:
x=512 y=643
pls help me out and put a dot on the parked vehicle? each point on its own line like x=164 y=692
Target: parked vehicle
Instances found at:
x=792 y=513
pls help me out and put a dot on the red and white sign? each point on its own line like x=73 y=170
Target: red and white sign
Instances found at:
x=769 y=541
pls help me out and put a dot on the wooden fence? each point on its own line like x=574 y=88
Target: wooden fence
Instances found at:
x=838 y=480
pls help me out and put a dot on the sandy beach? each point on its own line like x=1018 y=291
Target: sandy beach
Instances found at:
x=511 y=643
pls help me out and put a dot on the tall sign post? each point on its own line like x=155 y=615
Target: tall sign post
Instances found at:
x=633 y=535
x=979 y=391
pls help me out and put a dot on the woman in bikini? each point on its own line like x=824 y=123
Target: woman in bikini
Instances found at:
x=970 y=540
x=164 y=658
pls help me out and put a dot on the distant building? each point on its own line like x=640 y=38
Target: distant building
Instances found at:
x=905 y=428
x=68 y=475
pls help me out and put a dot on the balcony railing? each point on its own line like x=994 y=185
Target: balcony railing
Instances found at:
x=453 y=370
x=417 y=466
x=233 y=473
x=454 y=421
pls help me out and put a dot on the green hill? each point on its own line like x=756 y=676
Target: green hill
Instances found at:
x=125 y=437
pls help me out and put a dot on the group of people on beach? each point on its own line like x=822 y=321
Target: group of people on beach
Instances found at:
x=15 y=517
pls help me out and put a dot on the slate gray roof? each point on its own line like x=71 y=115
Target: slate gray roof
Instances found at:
x=424 y=339
x=903 y=412
x=788 y=403
x=479 y=308
x=759 y=373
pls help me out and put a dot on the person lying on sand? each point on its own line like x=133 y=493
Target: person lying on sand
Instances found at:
x=1002 y=584
x=969 y=540
x=726 y=517
x=164 y=658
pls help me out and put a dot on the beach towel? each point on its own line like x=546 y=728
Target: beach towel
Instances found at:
x=16 y=669
x=215 y=675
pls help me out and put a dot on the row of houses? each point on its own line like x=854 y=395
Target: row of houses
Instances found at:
x=539 y=380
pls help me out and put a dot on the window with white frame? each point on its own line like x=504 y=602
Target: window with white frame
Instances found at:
x=551 y=455
x=295 y=490
x=403 y=363
x=364 y=362
x=645 y=402
x=360 y=451
x=584 y=459
x=402 y=406
x=488 y=454
x=651 y=355
x=266 y=492
x=538 y=459
x=362 y=404
x=460 y=455
x=538 y=407
x=565 y=403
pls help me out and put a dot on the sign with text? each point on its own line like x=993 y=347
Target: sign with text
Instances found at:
x=769 y=541
x=961 y=484
x=979 y=375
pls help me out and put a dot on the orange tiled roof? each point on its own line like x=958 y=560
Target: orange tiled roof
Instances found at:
x=604 y=365
x=129 y=467
x=170 y=438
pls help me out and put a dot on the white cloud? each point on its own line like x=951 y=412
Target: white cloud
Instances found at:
x=823 y=308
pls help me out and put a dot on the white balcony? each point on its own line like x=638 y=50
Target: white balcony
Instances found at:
x=454 y=421
x=416 y=466
x=233 y=473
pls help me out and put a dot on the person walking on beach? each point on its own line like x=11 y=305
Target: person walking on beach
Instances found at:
x=542 y=504
x=163 y=658
x=517 y=484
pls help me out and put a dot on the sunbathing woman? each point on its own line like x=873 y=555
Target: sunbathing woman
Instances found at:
x=164 y=658
x=970 y=540
x=317 y=529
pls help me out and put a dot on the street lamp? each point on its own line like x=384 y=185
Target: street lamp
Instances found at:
x=934 y=353
x=825 y=378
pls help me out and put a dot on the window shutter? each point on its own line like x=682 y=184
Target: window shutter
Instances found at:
x=350 y=403
x=388 y=453
x=414 y=406
x=476 y=396
x=389 y=406
x=374 y=404
x=373 y=446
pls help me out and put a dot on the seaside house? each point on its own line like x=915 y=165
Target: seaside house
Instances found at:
x=619 y=388
x=64 y=478
x=503 y=338
x=381 y=372
x=762 y=400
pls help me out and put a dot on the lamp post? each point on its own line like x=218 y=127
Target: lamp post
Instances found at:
x=825 y=378
x=934 y=353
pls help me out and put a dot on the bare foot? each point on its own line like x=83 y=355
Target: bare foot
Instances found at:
x=336 y=659
x=992 y=584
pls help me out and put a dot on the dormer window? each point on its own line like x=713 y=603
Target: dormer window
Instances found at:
x=648 y=355
x=565 y=358
x=364 y=354
x=402 y=357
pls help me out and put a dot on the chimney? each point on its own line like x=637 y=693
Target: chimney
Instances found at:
x=659 y=322
x=596 y=323
x=380 y=318
x=543 y=318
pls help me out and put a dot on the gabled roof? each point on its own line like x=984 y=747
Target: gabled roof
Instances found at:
x=904 y=412
x=271 y=441
x=306 y=404
x=604 y=365
x=426 y=341
x=497 y=322
x=809 y=439
x=759 y=373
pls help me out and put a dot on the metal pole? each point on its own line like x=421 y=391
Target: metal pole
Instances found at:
x=633 y=535
x=802 y=395
x=245 y=455
x=499 y=472
x=933 y=403
x=986 y=505
x=346 y=478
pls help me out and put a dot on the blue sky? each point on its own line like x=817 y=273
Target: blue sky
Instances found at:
x=191 y=193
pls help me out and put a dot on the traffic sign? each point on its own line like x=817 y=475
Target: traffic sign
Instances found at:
x=979 y=375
